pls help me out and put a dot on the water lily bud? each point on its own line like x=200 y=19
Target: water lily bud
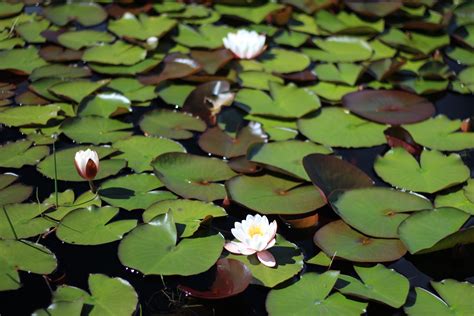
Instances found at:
x=128 y=15
x=245 y=44
x=255 y=235
x=87 y=163
x=152 y=42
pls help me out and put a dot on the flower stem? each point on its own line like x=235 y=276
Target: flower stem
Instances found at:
x=55 y=175
x=92 y=186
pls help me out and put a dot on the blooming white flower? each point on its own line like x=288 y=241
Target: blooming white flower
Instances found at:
x=87 y=163
x=255 y=235
x=245 y=44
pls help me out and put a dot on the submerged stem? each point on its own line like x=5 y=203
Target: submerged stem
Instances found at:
x=55 y=175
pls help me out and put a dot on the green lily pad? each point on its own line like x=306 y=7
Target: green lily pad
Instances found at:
x=283 y=61
x=379 y=8
x=76 y=90
x=11 y=192
x=258 y=80
x=377 y=211
x=65 y=164
x=105 y=130
x=59 y=71
x=289 y=262
x=378 y=283
x=414 y=42
x=192 y=176
x=22 y=60
x=340 y=49
x=142 y=27
x=84 y=38
x=281 y=103
x=434 y=172
x=133 y=89
x=134 y=191
x=269 y=194
x=462 y=56
x=286 y=156
x=118 y=53
x=175 y=94
x=340 y=73
x=347 y=23
x=20 y=153
x=68 y=203
x=29 y=114
x=336 y=127
x=303 y=23
x=331 y=92
x=153 y=249
x=31 y=31
x=304 y=298
x=23 y=255
x=172 y=124
x=92 y=226
x=138 y=68
x=423 y=230
x=455 y=299
x=337 y=239
x=148 y=147
x=276 y=128
x=205 y=36
x=320 y=259
x=105 y=105
x=86 y=13
x=23 y=221
x=290 y=38
x=460 y=199
x=9 y=9
x=254 y=14
x=441 y=133
x=187 y=214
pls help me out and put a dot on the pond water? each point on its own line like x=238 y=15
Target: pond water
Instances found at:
x=192 y=138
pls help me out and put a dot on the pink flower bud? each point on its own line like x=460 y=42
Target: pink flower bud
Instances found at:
x=87 y=164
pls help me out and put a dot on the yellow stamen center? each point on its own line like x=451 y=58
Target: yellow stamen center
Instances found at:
x=255 y=230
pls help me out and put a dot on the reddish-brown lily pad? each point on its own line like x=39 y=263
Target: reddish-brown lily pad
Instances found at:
x=389 y=106
x=176 y=65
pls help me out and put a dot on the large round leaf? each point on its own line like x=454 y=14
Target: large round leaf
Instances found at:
x=23 y=221
x=187 y=214
x=310 y=296
x=338 y=239
x=193 y=176
x=289 y=262
x=65 y=164
x=152 y=248
x=86 y=13
x=68 y=203
x=389 y=106
x=142 y=27
x=118 y=53
x=92 y=226
x=134 y=191
x=337 y=127
x=433 y=173
x=29 y=114
x=105 y=130
x=284 y=61
x=286 y=156
x=23 y=60
x=85 y=38
x=139 y=151
x=76 y=90
x=11 y=192
x=377 y=211
x=176 y=125
x=269 y=194
x=340 y=49
x=19 y=153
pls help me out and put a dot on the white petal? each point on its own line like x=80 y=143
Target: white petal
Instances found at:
x=266 y=258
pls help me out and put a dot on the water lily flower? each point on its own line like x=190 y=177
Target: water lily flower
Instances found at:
x=152 y=42
x=87 y=163
x=255 y=235
x=245 y=44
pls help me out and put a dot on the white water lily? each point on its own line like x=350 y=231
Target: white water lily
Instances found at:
x=245 y=44
x=255 y=235
x=87 y=163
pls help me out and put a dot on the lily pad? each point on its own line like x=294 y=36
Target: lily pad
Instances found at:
x=11 y=192
x=377 y=211
x=336 y=127
x=345 y=73
x=68 y=203
x=172 y=124
x=143 y=27
x=9 y=9
x=460 y=199
x=118 y=53
x=23 y=221
x=187 y=214
x=134 y=191
x=175 y=94
x=332 y=92
x=389 y=107
x=29 y=114
x=379 y=8
x=22 y=60
x=138 y=68
x=105 y=130
x=254 y=14
x=65 y=164
x=269 y=194
x=106 y=105
x=133 y=89
x=148 y=147
x=339 y=240
x=347 y=23
x=22 y=255
x=192 y=176
x=283 y=61
x=153 y=249
x=92 y=226
x=433 y=173
x=87 y=14
x=205 y=36
x=258 y=80
x=76 y=90
x=286 y=156
x=276 y=128
x=304 y=298
x=59 y=71
x=340 y=49
x=84 y=38
x=20 y=153
x=281 y=103
x=414 y=42
x=289 y=262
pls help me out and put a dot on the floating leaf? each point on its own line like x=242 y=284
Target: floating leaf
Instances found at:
x=331 y=92
x=59 y=71
x=176 y=65
x=138 y=68
x=187 y=213
x=460 y=199
x=105 y=130
x=283 y=61
x=29 y=114
x=153 y=249
x=339 y=240
x=434 y=172
x=347 y=23
x=303 y=297
x=342 y=73
x=414 y=42
x=22 y=60
x=67 y=203
x=76 y=90
x=258 y=80
x=175 y=94
x=269 y=194
x=336 y=127
x=379 y=8
x=118 y=53
x=192 y=176
x=134 y=191
x=106 y=105
x=31 y=31
x=133 y=89
x=11 y=192
x=23 y=221
x=9 y=9
x=20 y=153
x=254 y=14
x=293 y=39
x=276 y=128
x=143 y=27
x=206 y=36
x=172 y=124
x=87 y=14
x=340 y=49
x=84 y=38
x=92 y=226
